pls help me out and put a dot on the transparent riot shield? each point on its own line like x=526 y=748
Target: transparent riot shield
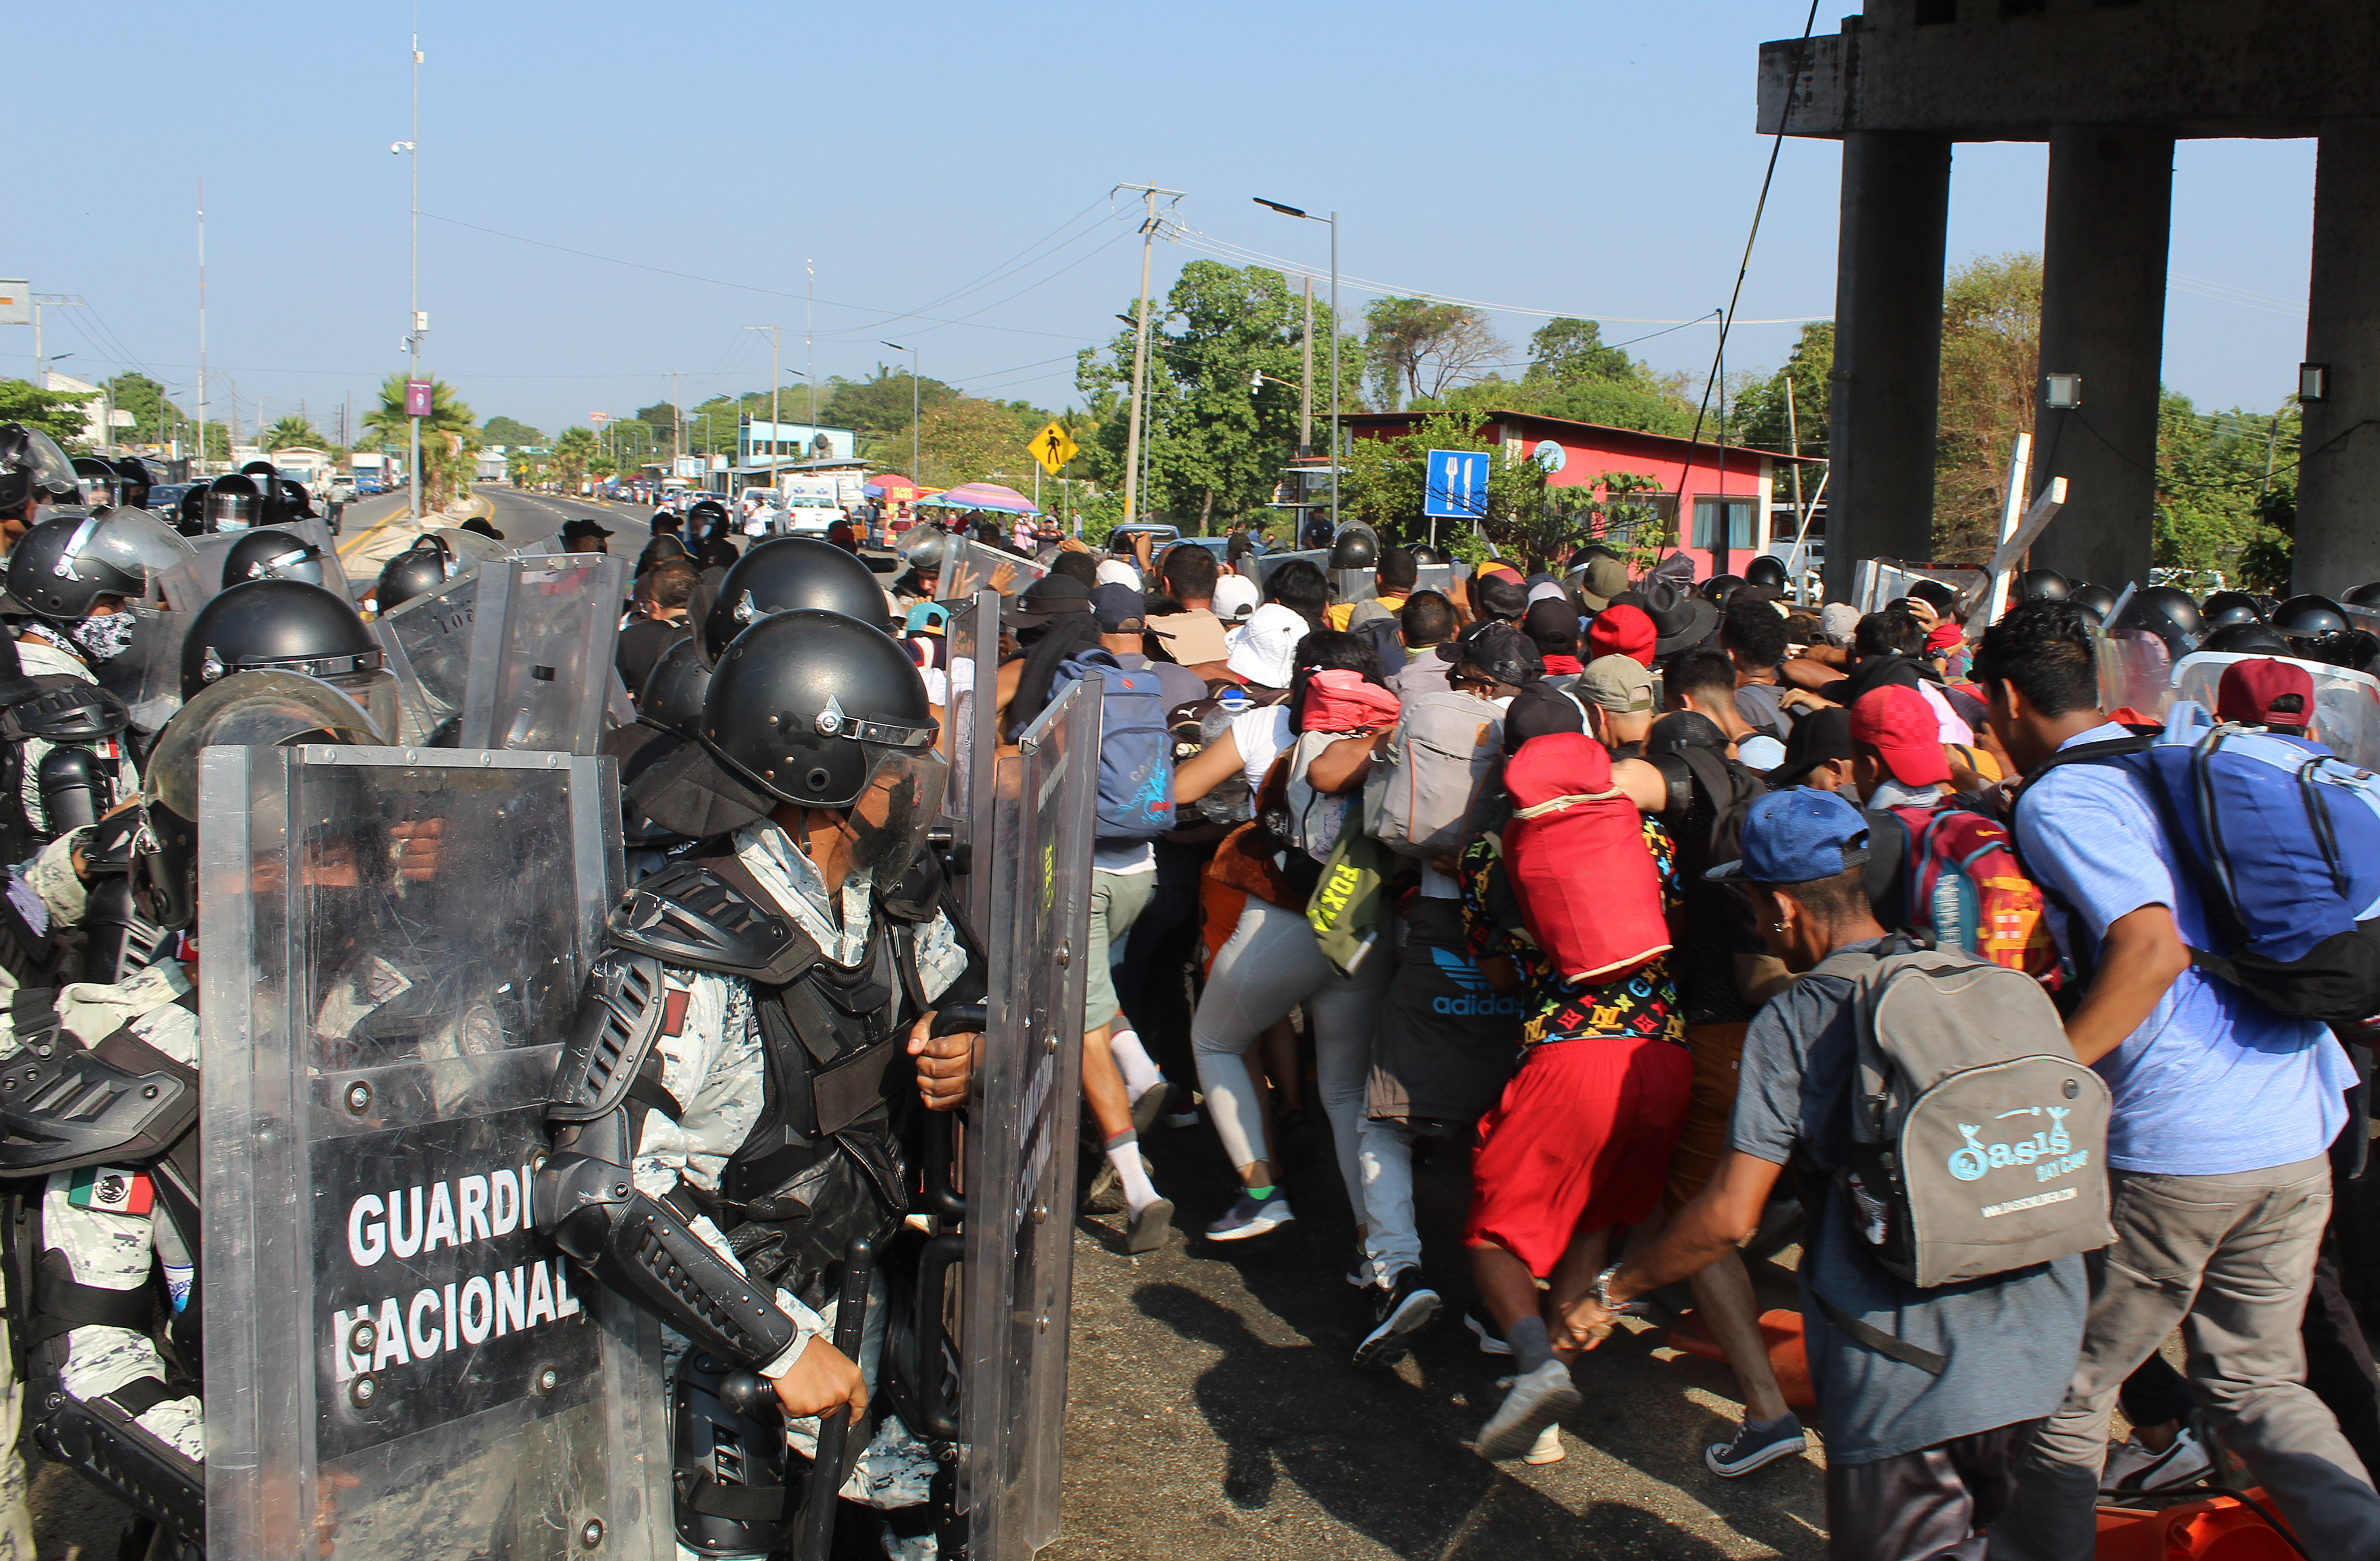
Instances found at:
x=2135 y=674
x=428 y=642
x=1020 y=1144
x=969 y=567
x=541 y=641
x=1883 y=580
x=399 y=1367
x=1438 y=577
x=2345 y=702
x=146 y=675
x=1353 y=585
x=970 y=742
x=1267 y=563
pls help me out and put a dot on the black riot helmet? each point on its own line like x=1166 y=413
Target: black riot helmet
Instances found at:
x=132 y=483
x=234 y=501
x=1767 y=569
x=257 y=710
x=32 y=467
x=923 y=548
x=2247 y=636
x=1357 y=546
x=2365 y=595
x=2176 y=604
x=2225 y=608
x=2300 y=617
x=2169 y=613
x=288 y=625
x=96 y=482
x=424 y=566
x=272 y=555
x=190 y=514
x=2040 y=585
x=672 y=693
x=1425 y=555
x=825 y=711
x=284 y=501
x=783 y=575
x=2097 y=600
x=1718 y=587
x=61 y=567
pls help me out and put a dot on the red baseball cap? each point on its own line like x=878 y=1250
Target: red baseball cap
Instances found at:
x=2250 y=689
x=1899 y=725
x=1622 y=631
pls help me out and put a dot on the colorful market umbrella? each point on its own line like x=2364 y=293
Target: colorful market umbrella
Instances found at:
x=984 y=496
x=888 y=485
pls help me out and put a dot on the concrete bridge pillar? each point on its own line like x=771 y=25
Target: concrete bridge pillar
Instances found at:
x=2338 y=473
x=2110 y=211
x=1896 y=205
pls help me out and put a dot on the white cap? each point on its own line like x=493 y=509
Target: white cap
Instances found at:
x=1116 y=571
x=1267 y=652
x=1235 y=597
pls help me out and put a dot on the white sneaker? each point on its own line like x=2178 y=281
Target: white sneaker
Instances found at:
x=1548 y=1447
x=2134 y=1470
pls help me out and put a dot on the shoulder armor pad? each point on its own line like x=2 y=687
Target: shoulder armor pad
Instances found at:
x=121 y=1100
x=619 y=1017
x=79 y=712
x=689 y=915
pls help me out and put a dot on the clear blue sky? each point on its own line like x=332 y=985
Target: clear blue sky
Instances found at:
x=1592 y=157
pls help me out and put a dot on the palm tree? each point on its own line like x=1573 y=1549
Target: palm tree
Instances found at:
x=449 y=435
x=290 y=431
x=574 y=451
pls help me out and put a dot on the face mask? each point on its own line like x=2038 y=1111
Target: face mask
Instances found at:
x=103 y=639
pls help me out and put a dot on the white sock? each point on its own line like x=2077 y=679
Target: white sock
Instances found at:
x=1124 y=1153
x=1140 y=1074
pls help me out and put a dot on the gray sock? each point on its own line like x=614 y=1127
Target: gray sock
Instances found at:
x=1531 y=1347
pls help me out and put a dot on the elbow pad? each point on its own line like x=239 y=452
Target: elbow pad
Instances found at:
x=638 y=1246
x=103 y=1442
x=75 y=790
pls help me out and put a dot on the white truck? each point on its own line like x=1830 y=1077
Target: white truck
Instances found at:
x=812 y=504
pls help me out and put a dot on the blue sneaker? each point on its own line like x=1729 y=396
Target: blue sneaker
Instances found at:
x=1248 y=1217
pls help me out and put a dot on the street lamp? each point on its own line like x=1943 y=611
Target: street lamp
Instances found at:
x=896 y=347
x=1333 y=219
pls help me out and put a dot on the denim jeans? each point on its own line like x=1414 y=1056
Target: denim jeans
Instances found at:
x=2228 y=1259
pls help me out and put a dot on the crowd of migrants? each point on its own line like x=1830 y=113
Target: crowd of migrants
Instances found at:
x=1685 y=916
x=1600 y=882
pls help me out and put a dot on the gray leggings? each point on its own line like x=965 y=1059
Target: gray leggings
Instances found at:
x=1270 y=965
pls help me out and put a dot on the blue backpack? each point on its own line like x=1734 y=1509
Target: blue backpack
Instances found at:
x=1135 y=747
x=2281 y=839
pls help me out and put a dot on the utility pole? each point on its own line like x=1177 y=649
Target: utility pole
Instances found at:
x=809 y=343
x=914 y=478
x=200 y=458
x=1793 y=438
x=1132 y=447
x=1333 y=219
x=413 y=339
x=775 y=374
x=1306 y=379
x=677 y=425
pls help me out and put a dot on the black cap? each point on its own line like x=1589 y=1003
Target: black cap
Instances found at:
x=477 y=524
x=583 y=526
x=1819 y=736
x=1048 y=597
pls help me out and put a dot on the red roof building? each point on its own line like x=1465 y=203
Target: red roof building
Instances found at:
x=1719 y=495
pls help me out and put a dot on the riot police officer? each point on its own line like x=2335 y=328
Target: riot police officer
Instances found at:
x=33 y=472
x=786 y=573
x=269 y=554
x=429 y=564
x=757 y=1044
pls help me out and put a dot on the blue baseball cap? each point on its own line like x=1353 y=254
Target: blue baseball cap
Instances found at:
x=1797 y=835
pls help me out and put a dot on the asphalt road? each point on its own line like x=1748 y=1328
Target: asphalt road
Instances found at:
x=522 y=517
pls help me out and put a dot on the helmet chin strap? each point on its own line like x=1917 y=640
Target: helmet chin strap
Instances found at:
x=825 y=836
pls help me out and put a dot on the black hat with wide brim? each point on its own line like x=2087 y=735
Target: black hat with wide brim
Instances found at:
x=1681 y=619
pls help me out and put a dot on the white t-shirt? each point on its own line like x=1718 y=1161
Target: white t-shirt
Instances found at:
x=1261 y=734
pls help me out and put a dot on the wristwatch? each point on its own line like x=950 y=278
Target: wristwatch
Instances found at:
x=1602 y=1291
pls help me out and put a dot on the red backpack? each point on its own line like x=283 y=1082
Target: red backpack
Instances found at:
x=1575 y=854
x=1950 y=875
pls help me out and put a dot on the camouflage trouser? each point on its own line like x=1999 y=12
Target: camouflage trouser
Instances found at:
x=16 y=1520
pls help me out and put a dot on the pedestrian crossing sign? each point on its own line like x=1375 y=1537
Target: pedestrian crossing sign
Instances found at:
x=1052 y=448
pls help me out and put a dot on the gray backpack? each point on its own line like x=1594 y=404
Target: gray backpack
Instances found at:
x=1425 y=779
x=1978 y=1142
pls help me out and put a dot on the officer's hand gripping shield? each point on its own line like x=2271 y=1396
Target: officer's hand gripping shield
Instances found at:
x=968 y=567
x=398 y=1366
x=1020 y=1157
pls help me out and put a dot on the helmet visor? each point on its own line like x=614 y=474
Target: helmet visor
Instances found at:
x=46 y=463
x=259 y=709
x=133 y=542
x=898 y=803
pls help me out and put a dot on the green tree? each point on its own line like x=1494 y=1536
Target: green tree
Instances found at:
x=448 y=436
x=1991 y=348
x=880 y=405
x=573 y=452
x=1420 y=348
x=155 y=417
x=55 y=413
x=1571 y=374
x=1759 y=418
x=1564 y=350
x=292 y=430
x=1381 y=481
x=2227 y=493
x=970 y=438
x=1217 y=436
x=509 y=431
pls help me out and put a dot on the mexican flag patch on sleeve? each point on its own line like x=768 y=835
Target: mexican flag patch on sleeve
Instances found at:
x=112 y=1188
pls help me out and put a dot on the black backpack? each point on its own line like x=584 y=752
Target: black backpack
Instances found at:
x=1709 y=794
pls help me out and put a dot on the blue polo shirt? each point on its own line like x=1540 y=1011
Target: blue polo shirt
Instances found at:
x=2212 y=1084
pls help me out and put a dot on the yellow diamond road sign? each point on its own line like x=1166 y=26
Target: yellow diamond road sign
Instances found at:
x=1052 y=448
